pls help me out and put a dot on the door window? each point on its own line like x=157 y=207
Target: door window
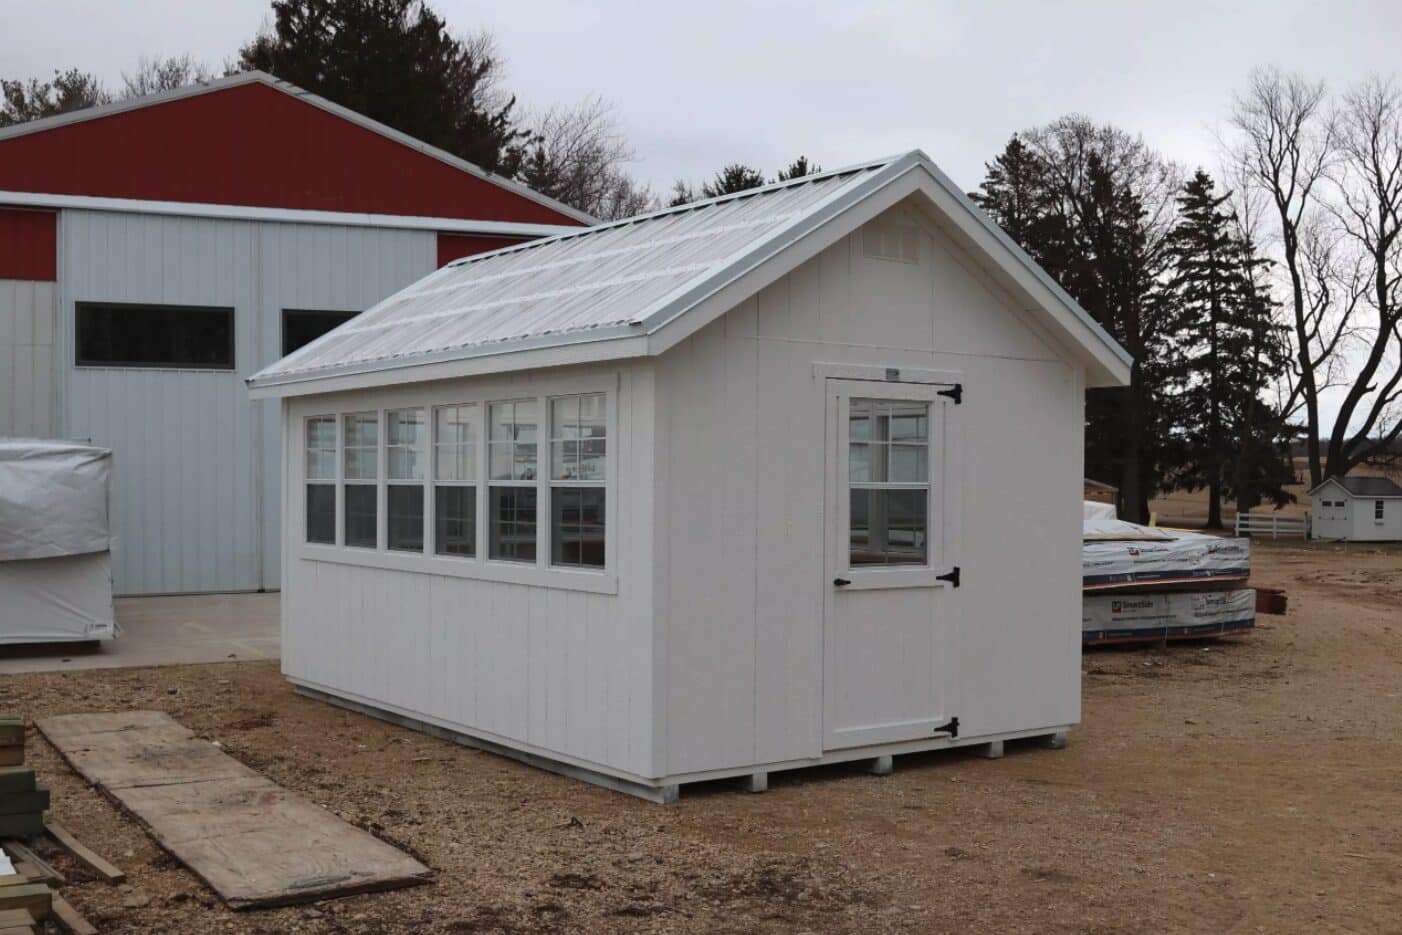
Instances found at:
x=888 y=482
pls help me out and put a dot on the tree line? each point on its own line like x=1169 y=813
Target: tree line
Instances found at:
x=1245 y=299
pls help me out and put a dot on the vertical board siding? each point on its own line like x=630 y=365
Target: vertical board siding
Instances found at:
x=563 y=671
x=196 y=463
x=27 y=311
x=740 y=550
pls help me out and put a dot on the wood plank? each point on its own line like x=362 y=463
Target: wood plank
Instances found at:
x=15 y=917
x=11 y=734
x=11 y=756
x=34 y=897
x=85 y=856
x=16 y=779
x=69 y=919
x=255 y=843
x=20 y=852
x=21 y=826
x=23 y=803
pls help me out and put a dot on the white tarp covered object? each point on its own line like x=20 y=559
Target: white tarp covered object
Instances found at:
x=1176 y=614
x=53 y=499
x=55 y=536
x=1090 y=509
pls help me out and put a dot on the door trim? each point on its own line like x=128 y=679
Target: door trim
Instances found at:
x=943 y=554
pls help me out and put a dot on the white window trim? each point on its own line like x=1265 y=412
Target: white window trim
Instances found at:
x=386 y=481
x=432 y=482
x=378 y=482
x=540 y=573
x=551 y=483
x=334 y=480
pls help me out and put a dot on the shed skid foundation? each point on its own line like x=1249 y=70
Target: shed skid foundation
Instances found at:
x=880 y=758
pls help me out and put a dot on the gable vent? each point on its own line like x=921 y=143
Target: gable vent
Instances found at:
x=883 y=240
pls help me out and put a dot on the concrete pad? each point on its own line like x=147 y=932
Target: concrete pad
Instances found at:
x=166 y=631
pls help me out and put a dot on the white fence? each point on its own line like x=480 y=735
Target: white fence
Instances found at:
x=1273 y=524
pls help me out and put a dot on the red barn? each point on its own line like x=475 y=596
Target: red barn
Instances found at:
x=155 y=252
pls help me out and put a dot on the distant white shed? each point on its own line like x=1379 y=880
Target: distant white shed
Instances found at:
x=781 y=478
x=1361 y=509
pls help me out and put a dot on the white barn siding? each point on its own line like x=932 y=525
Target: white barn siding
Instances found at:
x=27 y=311
x=740 y=558
x=195 y=465
x=562 y=672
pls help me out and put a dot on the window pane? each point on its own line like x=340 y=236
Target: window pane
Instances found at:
x=500 y=456
x=513 y=435
x=859 y=420
x=405 y=508
x=511 y=527
x=456 y=462
x=523 y=462
x=321 y=432
x=577 y=533
x=154 y=336
x=527 y=419
x=591 y=416
x=362 y=430
x=361 y=525
x=908 y=464
x=321 y=513
x=455 y=519
x=909 y=422
x=888 y=527
x=405 y=427
x=301 y=327
x=591 y=459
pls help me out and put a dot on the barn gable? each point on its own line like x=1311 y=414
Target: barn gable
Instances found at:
x=252 y=140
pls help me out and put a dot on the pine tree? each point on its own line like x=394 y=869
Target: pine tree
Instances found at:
x=798 y=169
x=1081 y=217
x=1228 y=351
x=736 y=177
x=395 y=61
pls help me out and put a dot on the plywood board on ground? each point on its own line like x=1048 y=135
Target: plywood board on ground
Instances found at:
x=254 y=842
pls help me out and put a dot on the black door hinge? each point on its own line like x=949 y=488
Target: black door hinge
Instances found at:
x=955 y=392
x=952 y=577
x=952 y=728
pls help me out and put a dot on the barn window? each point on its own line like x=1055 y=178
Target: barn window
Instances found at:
x=302 y=326
x=404 y=476
x=454 y=480
x=578 y=467
x=360 y=468
x=888 y=481
x=157 y=336
x=1377 y=511
x=512 y=484
x=321 y=479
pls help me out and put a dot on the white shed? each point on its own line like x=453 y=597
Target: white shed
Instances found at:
x=782 y=478
x=1361 y=509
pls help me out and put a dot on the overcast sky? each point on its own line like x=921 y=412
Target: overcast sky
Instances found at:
x=700 y=84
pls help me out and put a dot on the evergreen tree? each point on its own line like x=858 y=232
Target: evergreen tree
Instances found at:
x=395 y=61
x=1076 y=204
x=1228 y=351
x=736 y=177
x=798 y=169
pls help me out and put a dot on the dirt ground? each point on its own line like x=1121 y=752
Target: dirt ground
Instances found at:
x=1251 y=784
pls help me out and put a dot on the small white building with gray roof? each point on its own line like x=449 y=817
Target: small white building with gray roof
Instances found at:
x=786 y=477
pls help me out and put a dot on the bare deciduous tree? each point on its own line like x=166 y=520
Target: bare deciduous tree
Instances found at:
x=578 y=156
x=153 y=75
x=1284 y=147
x=1368 y=206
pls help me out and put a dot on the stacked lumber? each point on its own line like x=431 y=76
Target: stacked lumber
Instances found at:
x=22 y=800
x=1145 y=583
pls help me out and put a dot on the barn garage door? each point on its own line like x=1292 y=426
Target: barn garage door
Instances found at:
x=888 y=613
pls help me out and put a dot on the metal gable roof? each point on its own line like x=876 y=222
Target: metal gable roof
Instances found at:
x=240 y=79
x=1365 y=487
x=626 y=279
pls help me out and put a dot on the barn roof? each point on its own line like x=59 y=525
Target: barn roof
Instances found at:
x=636 y=287
x=1366 y=486
x=253 y=139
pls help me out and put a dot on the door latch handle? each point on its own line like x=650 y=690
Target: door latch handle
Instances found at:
x=840 y=582
x=952 y=577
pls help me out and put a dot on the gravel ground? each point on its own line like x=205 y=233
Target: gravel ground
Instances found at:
x=1251 y=784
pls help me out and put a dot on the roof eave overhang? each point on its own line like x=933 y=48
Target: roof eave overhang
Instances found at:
x=562 y=350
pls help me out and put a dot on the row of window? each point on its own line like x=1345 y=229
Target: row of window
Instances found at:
x=187 y=337
x=432 y=459
x=1377 y=507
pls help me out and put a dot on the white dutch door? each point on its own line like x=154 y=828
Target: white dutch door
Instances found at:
x=889 y=609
